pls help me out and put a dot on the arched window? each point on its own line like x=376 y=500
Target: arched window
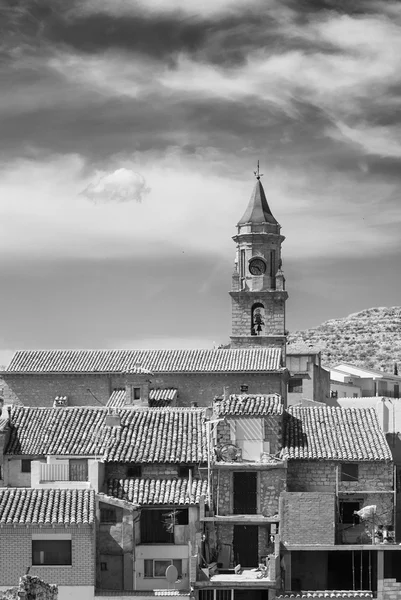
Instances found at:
x=258 y=326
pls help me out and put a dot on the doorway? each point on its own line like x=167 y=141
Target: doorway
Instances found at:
x=245 y=493
x=246 y=545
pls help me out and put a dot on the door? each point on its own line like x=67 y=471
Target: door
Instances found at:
x=245 y=493
x=78 y=469
x=246 y=545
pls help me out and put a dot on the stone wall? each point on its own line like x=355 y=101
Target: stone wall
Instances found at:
x=274 y=304
x=270 y=483
x=31 y=588
x=270 y=430
x=311 y=476
x=40 y=390
x=151 y=470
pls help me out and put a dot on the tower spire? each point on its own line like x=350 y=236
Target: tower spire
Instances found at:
x=257 y=173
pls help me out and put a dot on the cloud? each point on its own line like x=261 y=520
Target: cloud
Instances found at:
x=121 y=185
x=381 y=141
x=207 y=8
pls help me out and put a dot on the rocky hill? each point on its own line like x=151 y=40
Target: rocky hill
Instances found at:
x=370 y=338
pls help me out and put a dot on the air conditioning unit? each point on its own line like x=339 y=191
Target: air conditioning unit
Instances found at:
x=60 y=401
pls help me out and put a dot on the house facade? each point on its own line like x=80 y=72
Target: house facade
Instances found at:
x=350 y=381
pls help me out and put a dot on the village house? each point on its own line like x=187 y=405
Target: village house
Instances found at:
x=338 y=513
x=351 y=381
x=95 y=499
x=308 y=380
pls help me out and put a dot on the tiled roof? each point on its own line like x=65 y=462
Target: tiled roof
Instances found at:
x=328 y=433
x=253 y=405
x=29 y=505
x=157 y=361
x=157 y=491
x=145 y=435
x=157 y=398
x=350 y=594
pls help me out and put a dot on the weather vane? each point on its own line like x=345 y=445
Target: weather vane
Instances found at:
x=257 y=173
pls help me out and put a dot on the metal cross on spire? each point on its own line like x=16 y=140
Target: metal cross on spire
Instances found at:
x=257 y=173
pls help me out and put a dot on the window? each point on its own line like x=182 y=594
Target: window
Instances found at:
x=157 y=568
x=216 y=594
x=183 y=471
x=355 y=395
x=349 y=472
x=136 y=393
x=155 y=527
x=347 y=510
x=51 y=552
x=25 y=466
x=134 y=471
x=295 y=386
x=103 y=566
x=108 y=515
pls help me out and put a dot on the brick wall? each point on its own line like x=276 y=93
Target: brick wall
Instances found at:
x=308 y=518
x=40 y=390
x=16 y=552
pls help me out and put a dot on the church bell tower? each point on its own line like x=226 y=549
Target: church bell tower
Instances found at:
x=258 y=285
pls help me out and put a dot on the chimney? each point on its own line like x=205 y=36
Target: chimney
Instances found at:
x=113 y=418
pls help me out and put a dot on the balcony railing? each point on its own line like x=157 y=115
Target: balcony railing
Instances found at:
x=54 y=472
x=74 y=471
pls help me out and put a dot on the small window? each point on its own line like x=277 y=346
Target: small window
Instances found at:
x=103 y=566
x=349 y=472
x=134 y=471
x=244 y=388
x=355 y=395
x=136 y=393
x=51 y=552
x=108 y=515
x=347 y=512
x=183 y=471
x=25 y=466
x=295 y=386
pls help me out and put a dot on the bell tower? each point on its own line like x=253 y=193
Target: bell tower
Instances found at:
x=258 y=286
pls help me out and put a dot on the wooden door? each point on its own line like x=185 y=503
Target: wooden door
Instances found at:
x=245 y=493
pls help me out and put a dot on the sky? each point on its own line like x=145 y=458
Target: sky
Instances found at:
x=129 y=134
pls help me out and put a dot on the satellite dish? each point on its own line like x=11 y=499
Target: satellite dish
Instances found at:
x=171 y=574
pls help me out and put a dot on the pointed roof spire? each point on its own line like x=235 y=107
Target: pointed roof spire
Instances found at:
x=258 y=210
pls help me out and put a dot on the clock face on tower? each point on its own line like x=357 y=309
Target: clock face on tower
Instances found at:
x=257 y=266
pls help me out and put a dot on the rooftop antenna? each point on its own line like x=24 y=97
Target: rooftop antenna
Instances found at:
x=257 y=173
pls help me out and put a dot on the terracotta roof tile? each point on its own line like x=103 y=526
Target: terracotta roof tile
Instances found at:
x=145 y=435
x=331 y=433
x=44 y=506
x=252 y=405
x=157 y=361
x=157 y=491
x=157 y=398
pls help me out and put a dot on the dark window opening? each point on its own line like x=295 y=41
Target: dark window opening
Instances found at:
x=295 y=385
x=183 y=471
x=349 y=472
x=258 y=319
x=156 y=527
x=108 y=515
x=134 y=471
x=347 y=510
x=25 y=466
x=244 y=388
x=396 y=390
x=51 y=552
x=136 y=393
x=245 y=493
x=103 y=566
x=181 y=516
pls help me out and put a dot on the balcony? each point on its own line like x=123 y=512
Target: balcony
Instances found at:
x=73 y=470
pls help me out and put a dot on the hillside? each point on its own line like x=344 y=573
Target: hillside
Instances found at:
x=370 y=338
